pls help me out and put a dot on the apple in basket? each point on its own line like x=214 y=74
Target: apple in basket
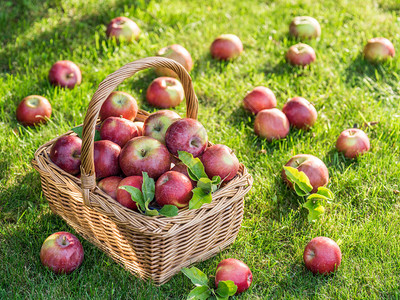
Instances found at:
x=300 y=55
x=312 y=166
x=322 y=255
x=123 y=196
x=235 y=270
x=258 y=99
x=62 y=252
x=33 y=110
x=119 y=104
x=173 y=188
x=65 y=73
x=182 y=168
x=186 y=135
x=226 y=47
x=352 y=142
x=105 y=156
x=165 y=92
x=177 y=53
x=378 y=50
x=219 y=160
x=305 y=27
x=157 y=123
x=109 y=185
x=144 y=154
x=123 y=28
x=118 y=130
x=139 y=126
x=271 y=124
x=66 y=153
x=300 y=113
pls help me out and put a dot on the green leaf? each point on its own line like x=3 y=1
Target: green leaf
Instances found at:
x=169 y=210
x=199 y=293
x=226 y=288
x=151 y=212
x=194 y=165
x=315 y=209
x=148 y=189
x=197 y=277
x=79 y=131
x=298 y=178
x=205 y=184
x=216 y=180
x=97 y=136
x=136 y=195
x=299 y=191
x=199 y=198
x=324 y=191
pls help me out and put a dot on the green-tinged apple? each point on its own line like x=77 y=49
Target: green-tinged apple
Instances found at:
x=123 y=28
x=144 y=154
x=105 y=156
x=62 y=252
x=322 y=255
x=33 y=110
x=378 y=50
x=300 y=55
x=177 y=53
x=65 y=73
x=119 y=104
x=271 y=124
x=305 y=27
x=235 y=270
x=173 y=188
x=352 y=142
x=66 y=153
x=165 y=92
x=226 y=47
x=258 y=99
x=300 y=113
x=118 y=130
x=123 y=196
x=109 y=185
x=157 y=124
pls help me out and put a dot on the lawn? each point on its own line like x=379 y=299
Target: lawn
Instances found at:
x=346 y=91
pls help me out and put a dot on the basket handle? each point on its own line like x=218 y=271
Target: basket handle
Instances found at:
x=108 y=85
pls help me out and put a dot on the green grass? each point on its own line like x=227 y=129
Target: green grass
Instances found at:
x=364 y=217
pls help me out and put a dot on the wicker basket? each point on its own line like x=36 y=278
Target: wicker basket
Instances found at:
x=153 y=248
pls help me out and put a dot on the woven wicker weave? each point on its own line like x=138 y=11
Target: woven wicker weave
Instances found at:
x=153 y=248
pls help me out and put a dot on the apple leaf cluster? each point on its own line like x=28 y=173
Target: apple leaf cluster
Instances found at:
x=202 y=291
x=79 y=131
x=144 y=197
x=303 y=188
x=205 y=186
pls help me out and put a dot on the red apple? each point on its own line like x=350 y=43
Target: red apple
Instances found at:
x=312 y=166
x=305 y=27
x=119 y=104
x=62 y=252
x=139 y=126
x=226 y=47
x=109 y=185
x=118 y=130
x=157 y=123
x=65 y=73
x=66 y=153
x=271 y=124
x=186 y=135
x=219 y=160
x=173 y=188
x=177 y=53
x=258 y=99
x=123 y=28
x=300 y=113
x=235 y=270
x=322 y=255
x=352 y=142
x=106 y=155
x=144 y=154
x=300 y=55
x=181 y=168
x=378 y=50
x=123 y=196
x=33 y=110
x=165 y=92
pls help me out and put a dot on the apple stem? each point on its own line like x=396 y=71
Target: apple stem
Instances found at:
x=143 y=152
x=64 y=240
x=70 y=75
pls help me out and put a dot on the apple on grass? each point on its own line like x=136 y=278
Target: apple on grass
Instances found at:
x=177 y=53
x=157 y=123
x=123 y=28
x=105 y=156
x=271 y=124
x=123 y=196
x=119 y=104
x=312 y=166
x=305 y=27
x=352 y=142
x=322 y=255
x=300 y=55
x=66 y=74
x=219 y=160
x=109 y=185
x=378 y=50
x=144 y=154
x=33 y=110
x=165 y=92
x=226 y=47
x=118 y=130
x=186 y=135
x=300 y=113
x=235 y=270
x=66 y=153
x=62 y=252
x=258 y=99
x=173 y=188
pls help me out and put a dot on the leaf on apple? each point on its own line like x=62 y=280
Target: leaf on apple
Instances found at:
x=136 y=195
x=79 y=131
x=199 y=293
x=315 y=209
x=225 y=289
x=196 y=276
x=194 y=165
x=148 y=189
x=299 y=179
x=199 y=198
